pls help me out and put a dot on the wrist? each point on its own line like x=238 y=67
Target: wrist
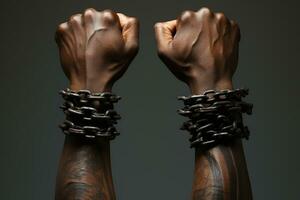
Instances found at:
x=104 y=143
x=200 y=87
x=95 y=87
x=98 y=85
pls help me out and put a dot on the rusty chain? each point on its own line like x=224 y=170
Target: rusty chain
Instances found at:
x=89 y=114
x=215 y=117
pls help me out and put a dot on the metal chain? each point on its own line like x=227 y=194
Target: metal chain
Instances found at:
x=89 y=114
x=213 y=96
x=215 y=117
x=69 y=128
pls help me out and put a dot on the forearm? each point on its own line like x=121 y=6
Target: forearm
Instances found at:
x=221 y=173
x=85 y=171
x=95 y=48
x=201 y=49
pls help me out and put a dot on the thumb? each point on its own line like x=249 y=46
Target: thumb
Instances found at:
x=164 y=33
x=130 y=32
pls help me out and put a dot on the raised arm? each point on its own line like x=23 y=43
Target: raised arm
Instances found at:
x=201 y=49
x=95 y=49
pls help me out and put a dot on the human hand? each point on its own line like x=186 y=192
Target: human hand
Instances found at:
x=200 y=48
x=96 y=48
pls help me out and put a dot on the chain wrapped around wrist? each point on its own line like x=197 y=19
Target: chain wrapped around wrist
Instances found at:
x=215 y=117
x=90 y=115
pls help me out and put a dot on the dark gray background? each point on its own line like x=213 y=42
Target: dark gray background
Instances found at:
x=151 y=159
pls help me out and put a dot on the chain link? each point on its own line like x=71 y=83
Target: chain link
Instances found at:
x=89 y=114
x=215 y=117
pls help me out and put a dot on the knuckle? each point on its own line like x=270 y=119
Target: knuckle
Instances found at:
x=158 y=25
x=220 y=16
x=109 y=16
x=234 y=25
x=205 y=11
x=108 y=13
x=187 y=15
x=60 y=31
x=89 y=13
x=75 y=19
x=62 y=28
x=133 y=20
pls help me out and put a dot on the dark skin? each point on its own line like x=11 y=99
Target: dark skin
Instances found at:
x=201 y=49
x=85 y=171
x=95 y=49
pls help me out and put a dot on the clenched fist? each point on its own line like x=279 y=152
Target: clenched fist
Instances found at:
x=200 y=48
x=96 y=48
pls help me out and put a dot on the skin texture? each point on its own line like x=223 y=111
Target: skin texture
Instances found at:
x=201 y=49
x=95 y=50
x=85 y=171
